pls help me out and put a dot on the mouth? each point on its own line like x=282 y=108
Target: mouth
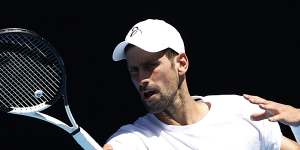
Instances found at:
x=148 y=93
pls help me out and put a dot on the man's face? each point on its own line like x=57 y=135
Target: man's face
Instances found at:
x=154 y=76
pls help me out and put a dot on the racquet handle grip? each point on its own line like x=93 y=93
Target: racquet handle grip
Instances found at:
x=86 y=141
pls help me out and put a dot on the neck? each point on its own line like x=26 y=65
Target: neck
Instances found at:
x=184 y=110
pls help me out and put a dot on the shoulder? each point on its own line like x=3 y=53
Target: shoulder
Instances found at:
x=133 y=128
x=135 y=133
x=238 y=107
x=126 y=138
x=222 y=97
x=227 y=100
x=231 y=104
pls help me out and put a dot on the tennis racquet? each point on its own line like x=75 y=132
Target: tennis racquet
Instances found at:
x=33 y=78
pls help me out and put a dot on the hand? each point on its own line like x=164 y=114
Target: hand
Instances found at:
x=107 y=147
x=285 y=114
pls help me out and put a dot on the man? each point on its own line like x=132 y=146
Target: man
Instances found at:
x=157 y=64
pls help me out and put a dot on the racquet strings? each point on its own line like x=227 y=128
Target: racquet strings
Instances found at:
x=30 y=72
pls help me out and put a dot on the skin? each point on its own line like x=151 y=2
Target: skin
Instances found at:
x=171 y=101
x=162 y=85
x=285 y=114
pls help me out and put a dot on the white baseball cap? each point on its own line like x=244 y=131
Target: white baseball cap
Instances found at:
x=151 y=35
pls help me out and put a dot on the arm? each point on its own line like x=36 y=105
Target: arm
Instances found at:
x=288 y=144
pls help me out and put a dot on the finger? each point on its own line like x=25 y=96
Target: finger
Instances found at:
x=255 y=99
x=247 y=96
x=271 y=106
x=259 y=116
x=266 y=106
x=107 y=147
x=263 y=106
x=275 y=118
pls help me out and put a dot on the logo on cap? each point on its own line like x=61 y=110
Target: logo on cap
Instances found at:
x=134 y=30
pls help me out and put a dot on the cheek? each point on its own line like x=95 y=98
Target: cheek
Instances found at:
x=164 y=76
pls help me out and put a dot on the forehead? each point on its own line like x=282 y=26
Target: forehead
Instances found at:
x=137 y=55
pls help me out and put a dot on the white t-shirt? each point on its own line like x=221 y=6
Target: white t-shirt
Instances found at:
x=227 y=126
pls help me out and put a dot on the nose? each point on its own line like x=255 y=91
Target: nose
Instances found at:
x=142 y=78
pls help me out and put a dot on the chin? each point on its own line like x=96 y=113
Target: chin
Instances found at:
x=154 y=109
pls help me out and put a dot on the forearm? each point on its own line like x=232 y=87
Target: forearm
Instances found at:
x=288 y=144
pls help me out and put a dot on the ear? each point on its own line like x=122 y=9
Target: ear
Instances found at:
x=182 y=63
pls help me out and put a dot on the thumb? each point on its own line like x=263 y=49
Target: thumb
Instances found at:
x=259 y=116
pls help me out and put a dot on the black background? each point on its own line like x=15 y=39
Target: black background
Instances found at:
x=233 y=48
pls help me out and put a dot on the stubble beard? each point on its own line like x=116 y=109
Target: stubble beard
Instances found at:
x=161 y=103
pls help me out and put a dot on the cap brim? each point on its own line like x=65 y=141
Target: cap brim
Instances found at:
x=118 y=53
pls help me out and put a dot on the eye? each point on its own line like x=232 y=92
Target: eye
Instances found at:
x=133 y=71
x=150 y=66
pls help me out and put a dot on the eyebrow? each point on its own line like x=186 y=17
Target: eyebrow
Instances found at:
x=148 y=62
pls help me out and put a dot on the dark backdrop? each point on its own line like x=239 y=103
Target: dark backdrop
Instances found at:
x=234 y=48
